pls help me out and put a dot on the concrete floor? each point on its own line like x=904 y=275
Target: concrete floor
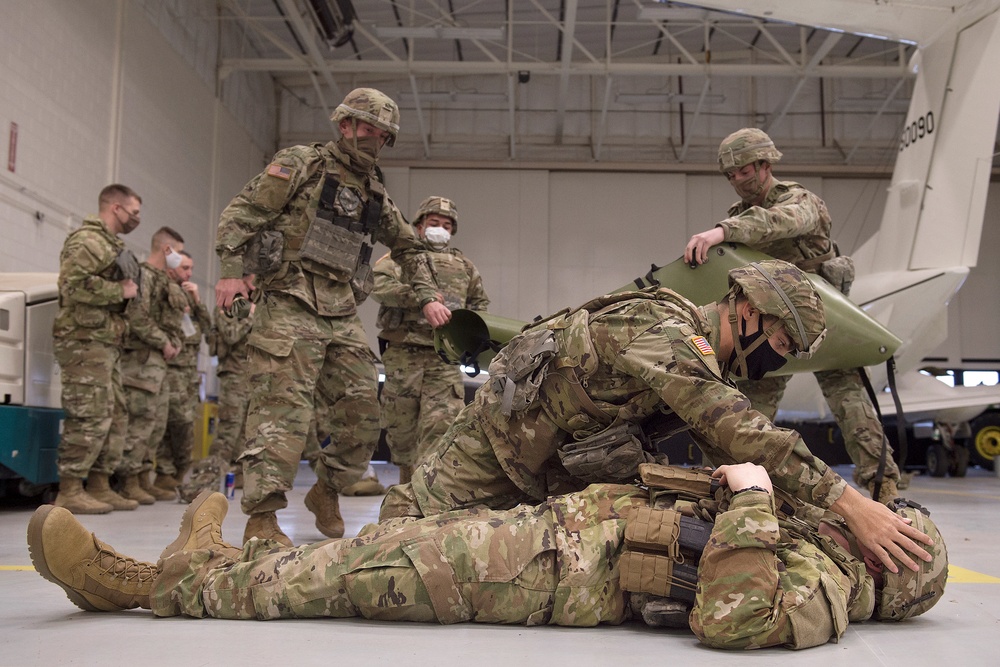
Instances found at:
x=38 y=625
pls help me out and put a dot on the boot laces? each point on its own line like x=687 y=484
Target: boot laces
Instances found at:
x=112 y=563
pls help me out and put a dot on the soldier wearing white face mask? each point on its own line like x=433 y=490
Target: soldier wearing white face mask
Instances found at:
x=422 y=395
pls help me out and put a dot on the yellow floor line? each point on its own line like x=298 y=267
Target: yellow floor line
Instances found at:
x=15 y=568
x=959 y=575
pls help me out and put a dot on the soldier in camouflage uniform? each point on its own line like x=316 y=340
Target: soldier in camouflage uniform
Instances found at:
x=751 y=576
x=183 y=382
x=88 y=333
x=313 y=216
x=786 y=221
x=422 y=395
x=568 y=398
x=155 y=337
x=227 y=341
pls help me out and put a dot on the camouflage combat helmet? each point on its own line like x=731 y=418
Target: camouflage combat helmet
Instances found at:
x=908 y=593
x=371 y=106
x=746 y=146
x=441 y=206
x=775 y=287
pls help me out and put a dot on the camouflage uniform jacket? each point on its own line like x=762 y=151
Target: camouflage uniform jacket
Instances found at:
x=638 y=358
x=399 y=317
x=285 y=198
x=154 y=320
x=792 y=224
x=188 y=356
x=91 y=302
x=764 y=582
x=230 y=338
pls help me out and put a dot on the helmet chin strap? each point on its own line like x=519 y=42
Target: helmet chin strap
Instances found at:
x=742 y=354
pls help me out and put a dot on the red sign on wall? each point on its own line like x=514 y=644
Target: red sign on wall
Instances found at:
x=12 y=148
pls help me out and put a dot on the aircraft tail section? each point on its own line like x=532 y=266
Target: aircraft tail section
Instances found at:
x=934 y=213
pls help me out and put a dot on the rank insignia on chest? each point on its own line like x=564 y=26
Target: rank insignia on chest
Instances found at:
x=699 y=343
x=279 y=171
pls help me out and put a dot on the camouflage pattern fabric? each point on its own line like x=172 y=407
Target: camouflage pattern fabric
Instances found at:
x=308 y=337
x=88 y=332
x=422 y=394
x=153 y=321
x=793 y=224
x=183 y=382
x=294 y=356
x=234 y=391
x=206 y=473
x=634 y=359
x=760 y=583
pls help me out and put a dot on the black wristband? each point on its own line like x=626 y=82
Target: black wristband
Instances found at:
x=752 y=488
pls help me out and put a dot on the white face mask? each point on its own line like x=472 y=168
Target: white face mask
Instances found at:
x=173 y=259
x=437 y=237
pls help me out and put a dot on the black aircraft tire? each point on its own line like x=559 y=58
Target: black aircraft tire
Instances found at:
x=959 y=463
x=937 y=460
x=985 y=443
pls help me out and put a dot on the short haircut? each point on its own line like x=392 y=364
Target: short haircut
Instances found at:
x=164 y=235
x=115 y=193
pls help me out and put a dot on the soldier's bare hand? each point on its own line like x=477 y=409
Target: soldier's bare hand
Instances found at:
x=227 y=289
x=886 y=534
x=697 y=248
x=129 y=289
x=743 y=476
x=437 y=313
x=169 y=351
x=192 y=289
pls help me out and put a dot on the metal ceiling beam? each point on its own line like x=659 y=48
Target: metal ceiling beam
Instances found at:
x=319 y=63
x=813 y=64
x=565 y=60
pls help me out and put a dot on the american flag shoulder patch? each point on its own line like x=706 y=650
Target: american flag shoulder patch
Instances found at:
x=702 y=345
x=279 y=171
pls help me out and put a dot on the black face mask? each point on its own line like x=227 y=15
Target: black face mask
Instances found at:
x=760 y=361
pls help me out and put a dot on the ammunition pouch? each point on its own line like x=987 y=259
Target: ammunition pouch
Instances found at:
x=332 y=244
x=516 y=373
x=839 y=272
x=389 y=318
x=662 y=548
x=614 y=454
x=263 y=253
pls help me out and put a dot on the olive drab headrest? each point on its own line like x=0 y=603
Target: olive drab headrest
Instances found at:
x=441 y=206
x=908 y=593
x=775 y=287
x=746 y=146
x=371 y=106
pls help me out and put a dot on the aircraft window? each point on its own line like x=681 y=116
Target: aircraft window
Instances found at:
x=977 y=378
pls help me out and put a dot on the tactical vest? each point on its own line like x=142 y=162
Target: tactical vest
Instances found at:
x=82 y=321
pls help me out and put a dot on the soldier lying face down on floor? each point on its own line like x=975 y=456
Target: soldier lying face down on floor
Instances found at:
x=720 y=552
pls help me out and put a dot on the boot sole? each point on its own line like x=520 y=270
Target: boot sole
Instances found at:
x=37 y=552
x=187 y=523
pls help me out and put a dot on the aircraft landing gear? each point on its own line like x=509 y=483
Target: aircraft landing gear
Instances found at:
x=949 y=455
x=986 y=439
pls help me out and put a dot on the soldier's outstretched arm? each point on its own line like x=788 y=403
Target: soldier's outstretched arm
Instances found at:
x=884 y=532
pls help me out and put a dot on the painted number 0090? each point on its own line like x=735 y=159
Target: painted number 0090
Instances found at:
x=918 y=129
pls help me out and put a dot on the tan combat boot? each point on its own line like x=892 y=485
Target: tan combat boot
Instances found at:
x=323 y=502
x=153 y=490
x=94 y=576
x=98 y=487
x=132 y=490
x=405 y=474
x=264 y=526
x=165 y=482
x=76 y=500
x=201 y=527
x=368 y=485
x=888 y=492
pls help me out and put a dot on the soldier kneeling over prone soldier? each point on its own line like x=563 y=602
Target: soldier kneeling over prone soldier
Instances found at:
x=718 y=551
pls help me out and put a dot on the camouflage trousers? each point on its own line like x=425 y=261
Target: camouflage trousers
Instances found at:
x=548 y=564
x=173 y=454
x=93 y=401
x=852 y=409
x=144 y=372
x=461 y=471
x=234 y=399
x=296 y=359
x=421 y=397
